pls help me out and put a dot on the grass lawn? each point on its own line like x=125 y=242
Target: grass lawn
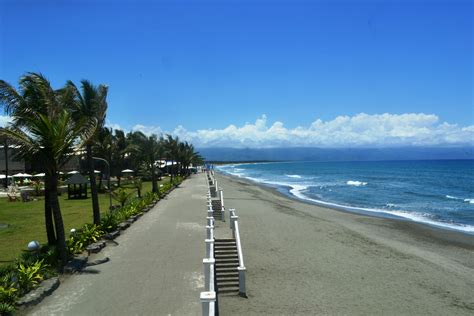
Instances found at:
x=26 y=220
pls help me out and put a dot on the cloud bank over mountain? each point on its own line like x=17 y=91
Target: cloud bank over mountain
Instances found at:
x=361 y=130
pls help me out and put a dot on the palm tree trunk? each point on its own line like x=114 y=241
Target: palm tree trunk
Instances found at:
x=58 y=219
x=48 y=215
x=172 y=171
x=5 y=148
x=154 y=185
x=94 y=194
x=100 y=182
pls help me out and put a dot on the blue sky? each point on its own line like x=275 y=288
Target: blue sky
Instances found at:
x=228 y=71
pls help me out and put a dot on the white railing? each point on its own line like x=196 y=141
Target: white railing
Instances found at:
x=234 y=225
x=221 y=194
x=208 y=297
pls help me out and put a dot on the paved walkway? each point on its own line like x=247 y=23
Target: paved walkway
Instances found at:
x=155 y=270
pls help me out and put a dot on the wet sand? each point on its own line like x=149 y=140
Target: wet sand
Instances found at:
x=304 y=259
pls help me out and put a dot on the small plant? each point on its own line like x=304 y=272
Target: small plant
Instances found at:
x=50 y=255
x=91 y=233
x=29 y=276
x=109 y=222
x=8 y=294
x=6 y=309
x=138 y=184
x=74 y=245
x=121 y=195
x=85 y=236
x=38 y=186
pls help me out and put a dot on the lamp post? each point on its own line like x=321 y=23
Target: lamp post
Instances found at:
x=108 y=180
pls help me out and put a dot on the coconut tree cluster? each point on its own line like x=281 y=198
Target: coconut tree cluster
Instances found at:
x=50 y=126
x=148 y=155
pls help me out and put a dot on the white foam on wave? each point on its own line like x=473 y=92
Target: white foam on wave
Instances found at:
x=470 y=201
x=356 y=183
x=390 y=205
x=452 y=197
x=296 y=176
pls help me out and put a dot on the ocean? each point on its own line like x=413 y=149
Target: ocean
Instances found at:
x=436 y=192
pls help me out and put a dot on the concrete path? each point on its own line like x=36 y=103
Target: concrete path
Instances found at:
x=155 y=270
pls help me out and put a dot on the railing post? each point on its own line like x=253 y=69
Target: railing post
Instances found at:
x=207 y=298
x=210 y=220
x=231 y=213
x=242 y=290
x=207 y=262
x=210 y=232
x=233 y=219
x=222 y=204
x=209 y=248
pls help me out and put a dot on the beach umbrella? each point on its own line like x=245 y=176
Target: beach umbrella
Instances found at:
x=161 y=163
x=97 y=171
x=127 y=171
x=22 y=175
x=73 y=172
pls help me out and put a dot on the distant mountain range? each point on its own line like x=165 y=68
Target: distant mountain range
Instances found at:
x=334 y=154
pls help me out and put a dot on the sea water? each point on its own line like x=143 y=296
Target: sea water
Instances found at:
x=439 y=193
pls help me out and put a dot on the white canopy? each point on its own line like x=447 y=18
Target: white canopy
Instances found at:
x=96 y=171
x=2 y=176
x=73 y=172
x=127 y=171
x=39 y=175
x=22 y=175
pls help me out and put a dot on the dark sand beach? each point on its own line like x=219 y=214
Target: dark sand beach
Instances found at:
x=304 y=259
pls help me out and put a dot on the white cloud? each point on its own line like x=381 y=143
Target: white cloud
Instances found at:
x=147 y=130
x=112 y=125
x=361 y=130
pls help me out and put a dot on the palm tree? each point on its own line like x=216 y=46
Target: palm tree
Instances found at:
x=44 y=130
x=104 y=146
x=148 y=150
x=122 y=150
x=91 y=104
x=187 y=156
x=172 y=150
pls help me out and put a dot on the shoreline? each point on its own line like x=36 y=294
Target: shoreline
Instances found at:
x=364 y=211
x=437 y=231
x=303 y=258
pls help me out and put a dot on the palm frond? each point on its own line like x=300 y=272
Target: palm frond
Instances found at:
x=10 y=99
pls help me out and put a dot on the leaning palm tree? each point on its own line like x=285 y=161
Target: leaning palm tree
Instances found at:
x=43 y=129
x=92 y=105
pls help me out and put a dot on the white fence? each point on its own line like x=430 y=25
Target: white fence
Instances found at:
x=208 y=297
x=234 y=225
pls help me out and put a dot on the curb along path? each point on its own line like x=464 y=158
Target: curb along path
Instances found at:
x=155 y=269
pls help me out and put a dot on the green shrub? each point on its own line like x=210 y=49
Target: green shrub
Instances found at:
x=85 y=236
x=121 y=195
x=6 y=309
x=8 y=294
x=29 y=276
x=50 y=255
x=109 y=222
